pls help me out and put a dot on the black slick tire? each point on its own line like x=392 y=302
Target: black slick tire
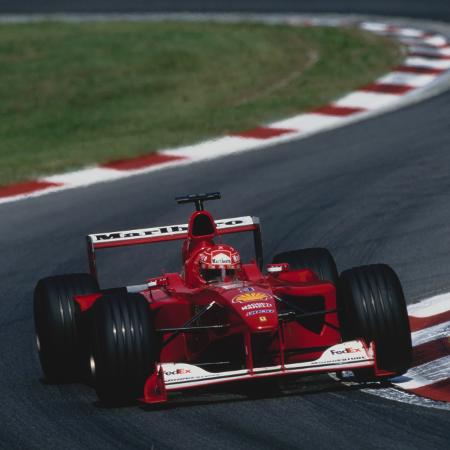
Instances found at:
x=372 y=306
x=58 y=332
x=124 y=346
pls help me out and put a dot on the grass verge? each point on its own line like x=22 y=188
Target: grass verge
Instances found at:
x=77 y=94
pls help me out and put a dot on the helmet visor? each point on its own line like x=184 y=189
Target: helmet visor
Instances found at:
x=218 y=275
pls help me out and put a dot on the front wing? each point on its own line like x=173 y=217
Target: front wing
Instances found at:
x=176 y=376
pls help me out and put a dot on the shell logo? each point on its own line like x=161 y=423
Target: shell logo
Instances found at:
x=251 y=297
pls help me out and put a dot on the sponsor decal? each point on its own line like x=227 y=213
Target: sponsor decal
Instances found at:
x=251 y=297
x=167 y=230
x=169 y=373
x=258 y=305
x=161 y=231
x=260 y=311
x=262 y=318
x=247 y=289
x=221 y=258
x=345 y=350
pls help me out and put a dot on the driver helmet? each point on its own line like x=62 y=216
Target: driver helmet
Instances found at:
x=219 y=263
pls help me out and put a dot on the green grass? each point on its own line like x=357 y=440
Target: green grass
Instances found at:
x=77 y=94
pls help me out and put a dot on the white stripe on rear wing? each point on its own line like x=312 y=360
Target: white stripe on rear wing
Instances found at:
x=166 y=233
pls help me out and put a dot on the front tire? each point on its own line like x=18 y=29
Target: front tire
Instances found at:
x=125 y=346
x=372 y=307
x=56 y=318
x=319 y=260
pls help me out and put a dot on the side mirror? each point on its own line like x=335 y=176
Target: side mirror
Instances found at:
x=274 y=269
x=158 y=282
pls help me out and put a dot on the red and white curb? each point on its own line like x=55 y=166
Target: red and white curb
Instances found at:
x=429 y=376
x=428 y=58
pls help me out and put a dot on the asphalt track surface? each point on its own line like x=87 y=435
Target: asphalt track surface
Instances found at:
x=374 y=191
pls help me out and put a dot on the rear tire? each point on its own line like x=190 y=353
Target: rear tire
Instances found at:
x=56 y=318
x=319 y=260
x=372 y=306
x=124 y=347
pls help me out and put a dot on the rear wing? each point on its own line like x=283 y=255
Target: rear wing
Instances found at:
x=171 y=233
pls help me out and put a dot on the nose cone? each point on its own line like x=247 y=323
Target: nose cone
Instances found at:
x=257 y=308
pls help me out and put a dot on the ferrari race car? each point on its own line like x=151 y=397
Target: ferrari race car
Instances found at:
x=219 y=319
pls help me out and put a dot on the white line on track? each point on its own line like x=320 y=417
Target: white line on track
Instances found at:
x=425 y=62
x=367 y=100
x=405 y=397
x=430 y=51
x=431 y=306
x=309 y=122
x=433 y=333
x=409 y=79
x=84 y=177
x=426 y=374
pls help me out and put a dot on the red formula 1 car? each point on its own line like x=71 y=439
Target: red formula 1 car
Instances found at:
x=219 y=320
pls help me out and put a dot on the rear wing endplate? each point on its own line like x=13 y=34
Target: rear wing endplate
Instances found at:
x=171 y=233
